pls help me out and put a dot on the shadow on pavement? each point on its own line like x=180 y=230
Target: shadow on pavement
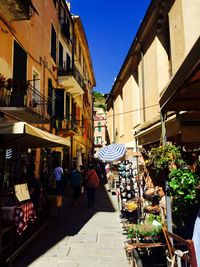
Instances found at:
x=68 y=222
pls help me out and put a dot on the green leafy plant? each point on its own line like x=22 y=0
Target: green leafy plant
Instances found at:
x=152 y=217
x=183 y=184
x=143 y=230
x=165 y=157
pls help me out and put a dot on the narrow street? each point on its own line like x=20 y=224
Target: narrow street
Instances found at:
x=80 y=236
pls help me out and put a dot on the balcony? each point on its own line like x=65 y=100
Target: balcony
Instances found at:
x=68 y=127
x=24 y=102
x=17 y=9
x=70 y=79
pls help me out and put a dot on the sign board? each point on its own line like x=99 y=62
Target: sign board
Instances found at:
x=21 y=192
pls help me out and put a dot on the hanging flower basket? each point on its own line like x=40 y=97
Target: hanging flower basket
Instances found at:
x=163 y=157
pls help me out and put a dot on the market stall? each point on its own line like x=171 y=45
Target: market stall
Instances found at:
x=23 y=194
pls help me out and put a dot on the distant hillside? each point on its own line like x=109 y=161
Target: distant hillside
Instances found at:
x=100 y=100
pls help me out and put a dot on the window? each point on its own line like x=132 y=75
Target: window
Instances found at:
x=53 y=43
x=99 y=140
x=60 y=55
x=67 y=108
x=99 y=126
x=59 y=104
x=68 y=62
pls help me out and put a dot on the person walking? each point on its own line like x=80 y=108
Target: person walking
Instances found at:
x=91 y=183
x=76 y=181
x=58 y=172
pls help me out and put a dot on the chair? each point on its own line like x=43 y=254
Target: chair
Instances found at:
x=180 y=250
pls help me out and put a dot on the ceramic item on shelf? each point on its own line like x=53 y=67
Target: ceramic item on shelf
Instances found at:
x=124 y=194
x=128 y=187
x=123 y=180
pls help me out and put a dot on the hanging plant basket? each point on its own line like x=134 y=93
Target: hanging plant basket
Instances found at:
x=165 y=157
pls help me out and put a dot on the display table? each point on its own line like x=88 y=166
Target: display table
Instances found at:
x=20 y=215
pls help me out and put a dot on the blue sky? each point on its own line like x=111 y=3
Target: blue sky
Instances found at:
x=110 y=27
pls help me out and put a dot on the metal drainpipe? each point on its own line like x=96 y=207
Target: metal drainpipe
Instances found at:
x=168 y=201
x=143 y=89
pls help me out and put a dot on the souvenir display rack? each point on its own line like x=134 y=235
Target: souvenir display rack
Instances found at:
x=139 y=203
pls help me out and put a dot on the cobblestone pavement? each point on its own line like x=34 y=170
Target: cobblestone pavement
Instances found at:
x=80 y=237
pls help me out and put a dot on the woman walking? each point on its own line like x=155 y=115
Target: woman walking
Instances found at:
x=91 y=183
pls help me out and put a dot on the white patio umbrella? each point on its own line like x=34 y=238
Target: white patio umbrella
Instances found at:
x=111 y=152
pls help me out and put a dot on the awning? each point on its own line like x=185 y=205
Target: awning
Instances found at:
x=183 y=90
x=152 y=133
x=24 y=135
x=186 y=126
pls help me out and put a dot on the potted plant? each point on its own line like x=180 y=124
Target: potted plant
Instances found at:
x=182 y=184
x=163 y=157
x=145 y=232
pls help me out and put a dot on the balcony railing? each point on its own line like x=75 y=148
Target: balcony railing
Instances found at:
x=17 y=9
x=65 y=70
x=67 y=125
x=14 y=94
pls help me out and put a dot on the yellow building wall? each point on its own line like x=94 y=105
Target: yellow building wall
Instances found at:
x=151 y=107
x=131 y=108
x=36 y=43
x=184 y=29
x=191 y=22
x=177 y=41
x=6 y=47
x=162 y=66
x=110 y=124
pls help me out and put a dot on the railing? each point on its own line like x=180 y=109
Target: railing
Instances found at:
x=68 y=124
x=65 y=70
x=18 y=94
